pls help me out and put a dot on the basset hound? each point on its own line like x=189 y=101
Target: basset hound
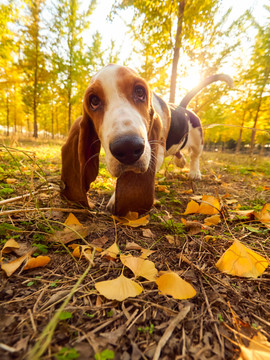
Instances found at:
x=137 y=129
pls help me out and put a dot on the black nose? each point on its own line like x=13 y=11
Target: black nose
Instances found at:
x=127 y=149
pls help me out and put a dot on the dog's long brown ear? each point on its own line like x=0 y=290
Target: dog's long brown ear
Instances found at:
x=80 y=160
x=135 y=192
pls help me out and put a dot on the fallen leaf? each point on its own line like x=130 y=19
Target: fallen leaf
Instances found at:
x=82 y=251
x=100 y=242
x=146 y=252
x=189 y=191
x=72 y=220
x=192 y=208
x=133 y=246
x=147 y=233
x=171 y=284
x=13 y=265
x=112 y=252
x=118 y=289
x=162 y=188
x=212 y=220
x=10 y=246
x=209 y=205
x=10 y=181
x=140 y=266
x=258 y=349
x=38 y=261
x=264 y=215
x=239 y=260
x=133 y=223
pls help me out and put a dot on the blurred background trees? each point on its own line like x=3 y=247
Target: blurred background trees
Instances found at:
x=47 y=59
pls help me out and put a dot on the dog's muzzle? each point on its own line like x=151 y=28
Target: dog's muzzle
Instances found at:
x=127 y=149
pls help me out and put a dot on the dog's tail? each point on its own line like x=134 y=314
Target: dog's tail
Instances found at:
x=209 y=80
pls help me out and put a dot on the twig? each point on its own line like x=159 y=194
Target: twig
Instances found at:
x=10 y=212
x=14 y=199
x=168 y=332
x=212 y=318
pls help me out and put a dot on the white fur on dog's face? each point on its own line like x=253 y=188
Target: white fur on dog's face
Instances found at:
x=120 y=114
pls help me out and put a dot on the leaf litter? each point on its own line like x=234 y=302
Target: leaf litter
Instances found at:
x=144 y=312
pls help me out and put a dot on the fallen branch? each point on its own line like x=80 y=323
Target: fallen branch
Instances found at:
x=168 y=332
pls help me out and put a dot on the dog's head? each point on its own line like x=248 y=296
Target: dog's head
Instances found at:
x=118 y=112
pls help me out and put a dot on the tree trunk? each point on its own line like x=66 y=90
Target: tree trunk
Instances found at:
x=176 y=50
x=7 y=132
x=238 y=146
x=52 y=123
x=35 y=134
x=253 y=134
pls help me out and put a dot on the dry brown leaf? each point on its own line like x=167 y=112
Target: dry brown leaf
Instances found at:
x=140 y=266
x=133 y=246
x=38 y=261
x=147 y=233
x=118 y=289
x=170 y=283
x=239 y=260
x=10 y=246
x=100 y=242
x=12 y=266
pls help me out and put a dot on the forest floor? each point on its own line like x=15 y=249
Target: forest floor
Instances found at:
x=55 y=312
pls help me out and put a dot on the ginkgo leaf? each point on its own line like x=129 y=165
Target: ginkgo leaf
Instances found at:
x=72 y=220
x=82 y=251
x=238 y=260
x=212 y=220
x=209 y=205
x=146 y=252
x=9 y=246
x=38 y=261
x=133 y=222
x=13 y=265
x=118 y=289
x=258 y=349
x=140 y=266
x=171 y=284
x=111 y=252
x=192 y=208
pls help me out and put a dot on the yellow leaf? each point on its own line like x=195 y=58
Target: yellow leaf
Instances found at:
x=76 y=251
x=39 y=261
x=238 y=260
x=258 y=349
x=209 y=206
x=9 y=246
x=146 y=252
x=264 y=215
x=162 y=188
x=192 y=208
x=11 y=181
x=111 y=252
x=140 y=266
x=82 y=250
x=12 y=266
x=171 y=284
x=118 y=289
x=133 y=223
x=72 y=220
x=212 y=220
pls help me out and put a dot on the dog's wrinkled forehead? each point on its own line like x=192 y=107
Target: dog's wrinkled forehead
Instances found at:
x=112 y=71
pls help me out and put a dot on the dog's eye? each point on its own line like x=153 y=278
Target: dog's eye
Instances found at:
x=95 y=102
x=140 y=93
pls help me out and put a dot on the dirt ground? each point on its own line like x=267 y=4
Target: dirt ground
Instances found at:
x=151 y=325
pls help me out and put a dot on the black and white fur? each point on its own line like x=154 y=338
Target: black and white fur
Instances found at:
x=186 y=129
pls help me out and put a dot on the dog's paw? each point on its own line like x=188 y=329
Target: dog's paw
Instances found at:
x=111 y=204
x=195 y=175
x=179 y=160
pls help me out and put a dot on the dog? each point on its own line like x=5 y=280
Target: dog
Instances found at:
x=137 y=129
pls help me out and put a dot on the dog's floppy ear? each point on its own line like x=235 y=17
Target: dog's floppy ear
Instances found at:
x=135 y=192
x=80 y=159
